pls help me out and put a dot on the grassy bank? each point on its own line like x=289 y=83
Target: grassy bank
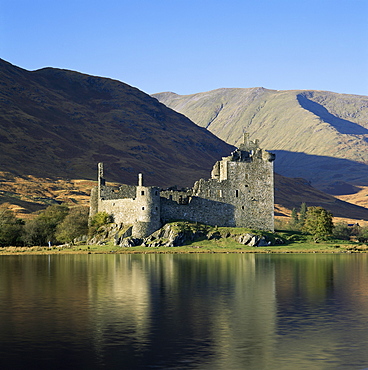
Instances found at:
x=294 y=243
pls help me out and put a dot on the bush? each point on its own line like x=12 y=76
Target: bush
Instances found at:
x=341 y=231
x=281 y=224
x=10 y=228
x=98 y=220
x=362 y=234
x=74 y=225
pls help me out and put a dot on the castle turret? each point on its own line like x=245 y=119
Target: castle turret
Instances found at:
x=148 y=209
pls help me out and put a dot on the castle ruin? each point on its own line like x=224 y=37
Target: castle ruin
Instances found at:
x=240 y=193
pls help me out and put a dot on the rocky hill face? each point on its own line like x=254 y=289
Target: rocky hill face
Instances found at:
x=59 y=123
x=318 y=135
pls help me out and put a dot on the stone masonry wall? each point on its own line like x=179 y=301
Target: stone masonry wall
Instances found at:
x=142 y=211
x=124 y=191
x=198 y=210
x=123 y=210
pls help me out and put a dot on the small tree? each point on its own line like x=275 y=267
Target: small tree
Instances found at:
x=294 y=221
x=98 y=220
x=10 y=228
x=362 y=234
x=74 y=224
x=318 y=223
x=302 y=214
x=341 y=231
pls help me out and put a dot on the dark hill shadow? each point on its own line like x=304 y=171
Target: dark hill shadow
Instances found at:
x=341 y=125
x=335 y=176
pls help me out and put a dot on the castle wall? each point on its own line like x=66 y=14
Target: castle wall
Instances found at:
x=123 y=210
x=243 y=198
x=142 y=210
x=180 y=197
x=201 y=210
x=123 y=191
x=252 y=193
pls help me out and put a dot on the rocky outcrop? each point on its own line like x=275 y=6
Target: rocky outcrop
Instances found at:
x=251 y=240
x=173 y=235
x=178 y=234
x=111 y=232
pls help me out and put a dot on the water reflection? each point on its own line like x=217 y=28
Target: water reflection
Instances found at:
x=184 y=311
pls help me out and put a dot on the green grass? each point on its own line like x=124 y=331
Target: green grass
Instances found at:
x=224 y=245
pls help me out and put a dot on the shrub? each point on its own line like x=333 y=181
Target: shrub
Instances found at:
x=74 y=225
x=341 y=231
x=98 y=220
x=362 y=234
x=10 y=228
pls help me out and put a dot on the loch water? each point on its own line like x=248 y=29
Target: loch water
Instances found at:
x=184 y=311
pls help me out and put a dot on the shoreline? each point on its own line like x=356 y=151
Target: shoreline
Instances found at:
x=189 y=249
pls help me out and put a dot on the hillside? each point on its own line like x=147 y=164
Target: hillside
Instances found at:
x=55 y=125
x=291 y=192
x=59 y=123
x=318 y=135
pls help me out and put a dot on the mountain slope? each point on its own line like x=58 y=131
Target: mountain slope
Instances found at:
x=325 y=126
x=291 y=192
x=59 y=123
x=55 y=125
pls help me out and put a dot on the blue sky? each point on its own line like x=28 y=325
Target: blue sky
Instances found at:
x=194 y=45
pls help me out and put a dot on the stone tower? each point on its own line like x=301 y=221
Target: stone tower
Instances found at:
x=244 y=180
x=147 y=218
